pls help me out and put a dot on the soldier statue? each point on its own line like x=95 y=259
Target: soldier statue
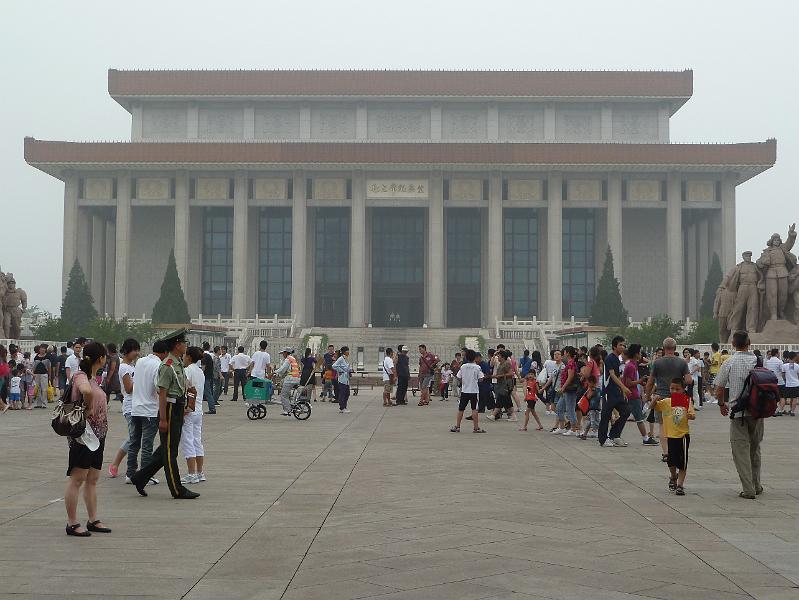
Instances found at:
x=776 y=262
x=3 y=289
x=15 y=301
x=745 y=280
x=722 y=307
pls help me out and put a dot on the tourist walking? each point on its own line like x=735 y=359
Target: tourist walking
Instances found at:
x=191 y=440
x=427 y=367
x=240 y=363
x=567 y=400
x=790 y=371
x=470 y=375
x=343 y=370
x=616 y=394
x=746 y=432
x=172 y=387
x=208 y=372
x=454 y=366
x=224 y=367
x=111 y=384
x=42 y=368
x=389 y=375
x=144 y=410
x=308 y=374
x=774 y=364
x=403 y=369
x=503 y=387
x=633 y=382
x=86 y=452
x=530 y=397
x=125 y=372
x=676 y=411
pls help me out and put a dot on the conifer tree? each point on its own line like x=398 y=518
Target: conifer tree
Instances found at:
x=712 y=282
x=77 y=308
x=171 y=306
x=608 y=309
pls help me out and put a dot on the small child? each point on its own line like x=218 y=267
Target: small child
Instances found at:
x=28 y=389
x=677 y=410
x=446 y=376
x=14 y=390
x=530 y=396
x=327 y=384
x=592 y=395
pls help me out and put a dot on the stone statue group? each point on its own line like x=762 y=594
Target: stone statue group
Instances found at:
x=12 y=302
x=763 y=294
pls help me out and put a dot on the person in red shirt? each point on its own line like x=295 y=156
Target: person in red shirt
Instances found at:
x=632 y=380
x=530 y=397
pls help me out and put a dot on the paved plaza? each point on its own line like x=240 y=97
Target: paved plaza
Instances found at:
x=385 y=503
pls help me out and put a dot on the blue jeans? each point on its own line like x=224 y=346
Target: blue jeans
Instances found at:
x=142 y=432
x=209 y=397
x=566 y=405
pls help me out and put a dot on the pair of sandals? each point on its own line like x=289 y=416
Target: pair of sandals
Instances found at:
x=677 y=489
x=458 y=430
x=91 y=526
x=422 y=403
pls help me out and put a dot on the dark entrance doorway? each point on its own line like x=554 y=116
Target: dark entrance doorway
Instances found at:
x=398 y=267
x=464 y=245
x=332 y=267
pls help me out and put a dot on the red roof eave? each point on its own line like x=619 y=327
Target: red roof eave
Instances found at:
x=39 y=152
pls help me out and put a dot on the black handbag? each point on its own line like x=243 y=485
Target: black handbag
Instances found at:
x=69 y=419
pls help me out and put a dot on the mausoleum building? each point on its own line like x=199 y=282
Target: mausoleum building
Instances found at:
x=446 y=198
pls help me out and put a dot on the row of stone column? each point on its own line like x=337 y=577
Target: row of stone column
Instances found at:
x=120 y=234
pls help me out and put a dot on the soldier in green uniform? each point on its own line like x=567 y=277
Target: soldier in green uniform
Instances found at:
x=171 y=384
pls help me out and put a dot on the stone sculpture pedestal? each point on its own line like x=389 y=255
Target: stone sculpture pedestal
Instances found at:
x=779 y=331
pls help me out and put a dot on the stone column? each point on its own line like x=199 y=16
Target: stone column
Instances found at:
x=606 y=123
x=555 y=246
x=137 y=125
x=435 y=266
x=98 y=263
x=192 y=121
x=361 y=124
x=110 y=266
x=691 y=272
x=182 y=228
x=435 y=122
x=305 y=124
x=615 y=226
x=123 y=228
x=299 y=251
x=70 y=228
x=249 y=121
x=727 y=256
x=675 y=279
x=240 y=209
x=492 y=122
x=358 y=251
x=493 y=267
x=549 y=122
x=84 y=242
x=703 y=235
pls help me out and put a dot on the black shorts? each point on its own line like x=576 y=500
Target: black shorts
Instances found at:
x=80 y=457
x=530 y=404
x=781 y=389
x=467 y=399
x=504 y=402
x=791 y=392
x=678 y=451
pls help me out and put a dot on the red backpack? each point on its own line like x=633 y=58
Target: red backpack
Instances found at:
x=760 y=393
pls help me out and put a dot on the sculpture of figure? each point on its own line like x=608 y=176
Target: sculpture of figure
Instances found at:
x=744 y=280
x=14 y=302
x=793 y=291
x=3 y=289
x=723 y=305
x=775 y=262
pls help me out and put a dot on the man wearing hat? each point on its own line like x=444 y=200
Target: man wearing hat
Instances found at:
x=291 y=369
x=744 y=279
x=172 y=387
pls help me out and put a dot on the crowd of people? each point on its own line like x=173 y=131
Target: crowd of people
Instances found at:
x=588 y=392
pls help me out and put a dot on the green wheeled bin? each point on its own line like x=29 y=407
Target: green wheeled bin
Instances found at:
x=258 y=390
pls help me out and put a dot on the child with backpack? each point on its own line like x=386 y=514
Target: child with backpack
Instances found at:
x=676 y=410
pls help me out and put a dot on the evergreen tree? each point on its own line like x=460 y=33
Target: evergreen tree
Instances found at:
x=608 y=309
x=77 y=308
x=171 y=306
x=713 y=281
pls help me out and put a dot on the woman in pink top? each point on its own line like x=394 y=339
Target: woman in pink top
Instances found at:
x=85 y=463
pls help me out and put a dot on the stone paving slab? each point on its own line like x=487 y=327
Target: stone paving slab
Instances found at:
x=385 y=503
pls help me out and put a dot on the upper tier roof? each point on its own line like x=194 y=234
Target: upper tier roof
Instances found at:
x=674 y=86
x=746 y=159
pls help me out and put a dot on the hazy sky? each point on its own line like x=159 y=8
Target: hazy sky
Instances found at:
x=56 y=54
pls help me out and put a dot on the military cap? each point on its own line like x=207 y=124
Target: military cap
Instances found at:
x=175 y=337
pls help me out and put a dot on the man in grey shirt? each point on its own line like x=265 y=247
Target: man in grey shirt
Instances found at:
x=746 y=432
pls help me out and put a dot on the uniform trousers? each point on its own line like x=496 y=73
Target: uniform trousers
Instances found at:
x=402 y=388
x=166 y=455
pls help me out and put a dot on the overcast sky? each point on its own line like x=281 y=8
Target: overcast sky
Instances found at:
x=56 y=55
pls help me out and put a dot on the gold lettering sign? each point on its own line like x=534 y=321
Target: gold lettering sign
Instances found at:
x=397 y=188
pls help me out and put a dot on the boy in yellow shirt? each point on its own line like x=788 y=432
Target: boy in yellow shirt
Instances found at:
x=676 y=410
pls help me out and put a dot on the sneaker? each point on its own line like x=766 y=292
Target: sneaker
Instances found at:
x=187 y=479
x=619 y=443
x=153 y=481
x=792 y=414
x=345 y=411
x=202 y=477
x=128 y=480
x=778 y=414
x=651 y=442
x=593 y=434
x=557 y=431
x=567 y=432
x=608 y=444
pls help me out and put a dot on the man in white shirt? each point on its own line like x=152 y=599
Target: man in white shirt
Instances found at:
x=261 y=364
x=239 y=363
x=389 y=374
x=144 y=408
x=470 y=375
x=73 y=360
x=790 y=370
x=224 y=366
x=774 y=364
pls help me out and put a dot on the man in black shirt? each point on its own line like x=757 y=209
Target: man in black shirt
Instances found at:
x=403 y=374
x=616 y=394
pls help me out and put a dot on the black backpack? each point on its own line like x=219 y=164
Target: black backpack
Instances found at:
x=759 y=395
